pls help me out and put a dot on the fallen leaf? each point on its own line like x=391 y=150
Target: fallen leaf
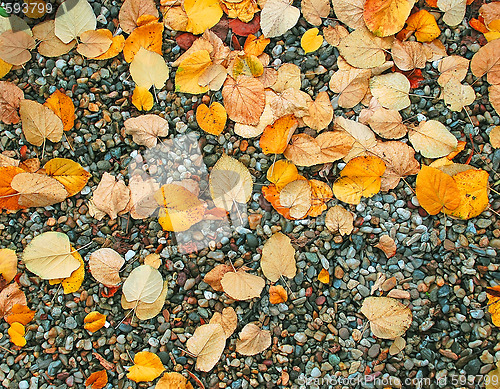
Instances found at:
x=147 y=37
x=105 y=265
x=277 y=17
x=149 y=69
x=37 y=190
x=72 y=283
x=388 y=317
x=493 y=294
x=202 y=14
x=303 y=150
x=173 y=381
x=391 y=90
x=386 y=17
x=63 y=107
x=338 y=219
x=275 y=138
x=296 y=195
x=241 y=285
x=360 y=177
x=117 y=45
x=281 y=173
x=351 y=83
x=387 y=245
x=213 y=119
x=311 y=41
x=408 y=55
x=49 y=256
x=20 y=314
x=207 y=345
x=324 y=276
x=432 y=139
x=244 y=99
x=15 y=47
x=321 y=193
x=94 y=43
x=142 y=201
x=16 y=332
x=487 y=62
x=334 y=34
x=277 y=294
x=10 y=98
x=244 y=9
x=111 y=195
x=73 y=17
x=253 y=340
x=50 y=45
x=254 y=45
x=453 y=67
x=320 y=112
x=146 y=311
x=4 y=68
x=214 y=276
x=456 y=96
x=425 y=26
x=97 y=380
x=494 y=136
x=314 y=10
x=94 y=321
x=10 y=296
x=147 y=367
x=362 y=139
x=454 y=11
x=494 y=31
x=8 y=264
x=132 y=10
x=278 y=258
x=9 y=197
x=387 y=123
x=39 y=123
x=227 y=319
x=144 y=284
x=288 y=77
x=436 y=191
x=350 y=12
x=397 y=346
x=31 y=165
x=142 y=99
x=246 y=65
x=213 y=77
x=146 y=129
x=68 y=173
x=494 y=97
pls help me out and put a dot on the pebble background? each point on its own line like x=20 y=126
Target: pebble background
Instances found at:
x=442 y=265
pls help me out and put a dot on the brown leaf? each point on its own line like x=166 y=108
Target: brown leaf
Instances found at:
x=453 y=67
x=278 y=257
x=105 y=265
x=351 y=83
x=387 y=245
x=334 y=145
x=253 y=340
x=388 y=317
x=132 y=10
x=303 y=150
x=277 y=294
x=40 y=123
x=314 y=10
x=241 y=285
x=338 y=219
x=296 y=195
x=38 y=190
x=111 y=196
x=146 y=129
x=244 y=99
x=350 y=12
x=97 y=380
x=494 y=97
x=10 y=296
x=227 y=319
x=94 y=43
x=50 y=45
x=334 y=34
x=142 y=202
x=320 y=112
x=408 y=55
x=214 y=276
x=207 y=344
x=15 y=47
x=387 y=123
x=362 y=138
x=10 y=98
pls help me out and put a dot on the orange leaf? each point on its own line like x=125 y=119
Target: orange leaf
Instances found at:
x=63 y=107
x=460 y=147
x=424 y=25
x=281 y=173
x=324 y=276
x=94 y=321
x=276 y=136
x=277 y=294
x=436 y=190
x=213 y=119
x=493 y=294
x=149 y=36
x=386 y=17
x=142 y=99
x=321 y=193
x=147 y=366
x=97 y=380
x=478 y=25
x=8 y=196
x=20 y=314
x=116 y=48
x=16 y=333
x=432 y=3
x=271 y=194
x=255 y=46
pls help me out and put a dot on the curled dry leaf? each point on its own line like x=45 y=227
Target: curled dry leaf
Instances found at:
x=207 y=344
x=244 y=99
x=388 y=317
x=391 y=90
x=338 y=219
x=432 y=139
x=111 y=195
x=8 y=264
x=227 y=319
x=278 y=258
x=94 y=321
x=214 y=276
x=296 y=195
x=49 y=256
x=10 y=296
x=20 y=314
x=105 y=265
x=97 y=380
x=277 y=17
x=397 y=346
x=146 y=129
x=241 y=285
x=277 y=294
x=324 y=276
x=436 y=191
x=387 y=123
x=40 y=123
x=10 y=98
x=387 y=245
x=144 y=284
x=147 y=367
x=142 y=201
x=73 y=17
x=253 y=340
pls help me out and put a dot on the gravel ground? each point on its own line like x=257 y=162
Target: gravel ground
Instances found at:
x=443 y=265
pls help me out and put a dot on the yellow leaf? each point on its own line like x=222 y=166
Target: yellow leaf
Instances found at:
x=424 y=25
x=16 y=333
x=69 y=173
x=173 y=381
x=149 y=37
x=493 y=306
x=276 y=136
x=116 y=48
x=20 y=314
x=213 y=119
x=254 y=45
x=436 y=190
x=386 y=17
x=147 y=367
x=202 y=14
x=149 y=68
x=142 y=99
x=243 y=10
x=72 y=283
x=8 y=264
x=281 y=173
x=324 y=276
x=311 y=41
x=63 y=107
x=362 y=176
x=94 y=321
x=494 y=32
x=4 y=68
x=321 y=193
x=277 y=294
x=97 y=380
x=247 y=65
x=189 y=72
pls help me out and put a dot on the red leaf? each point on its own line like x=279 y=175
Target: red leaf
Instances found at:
x=414 y=76
x=222 y=28
x=236 y=43
x=478 y=25
x=245 y=29
x=111 y=290
x=23 y=152
x=185 y=40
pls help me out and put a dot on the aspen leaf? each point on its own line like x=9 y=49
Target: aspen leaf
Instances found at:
x=142 y=202
x=314 y=10
x=94 y=43
x=387 y=123
x=72 y=283
x=303 y=150
x=408 y=55
x=454 y=11
x=254 y=45
x=277 y=294
x=277 y=17
x=276 y=136
x=73 y=17
x=335 y=145
x=288 y=77
x=281 y=173
x=227 y=319
x=111 y=195
x=320 y=112
x=213 y=119
x=432 y=139
x=362 y=139
x=436 y=191
x=94 y=321
x=20 y=314
x=10 y=296
x=147 y=367
x=324 y=276
x=39 y=123
x=10 y=98
x=321 y=193
x=391 y=90
x=15 y=47
x=16 y=332
x=351 y=83
x=338 y=219
x=244 y=99
x=230 y=183
x=424 y=25
x=69 y=173
x=49 y=256
x=388 y=317
x=149 y=37
x=9 y=197
x=132 y=10
x=146 y=129
x=144 y=284
x=8 y=264
x=311 y=41
x=50 y=45
x=253 y=340
x=296 y=195
x=63 y=107
x=105 y=265
x=387 y=245
x=142 y=99
x=241 y=285
x=149 y=68
x=386 y=17
x=173 y=381
x=456 y=95
x=146 y=311
x=214 y=276
x=97 y=380
x=360 y=177
x=453 y=67
x=207 y=344
x=278 y=258
x=38 y=190
x=495 y=137
x=202 y=15
x=364 y=50
x=334 y=34
x=350 y=12
x=180 y=209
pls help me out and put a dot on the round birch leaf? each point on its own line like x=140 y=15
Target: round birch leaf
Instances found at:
x=388 y=317
x=144 y=284
x=253 y=340
x=241 y=285
x=207 y=344
x=278 y=258
x=105 y=265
